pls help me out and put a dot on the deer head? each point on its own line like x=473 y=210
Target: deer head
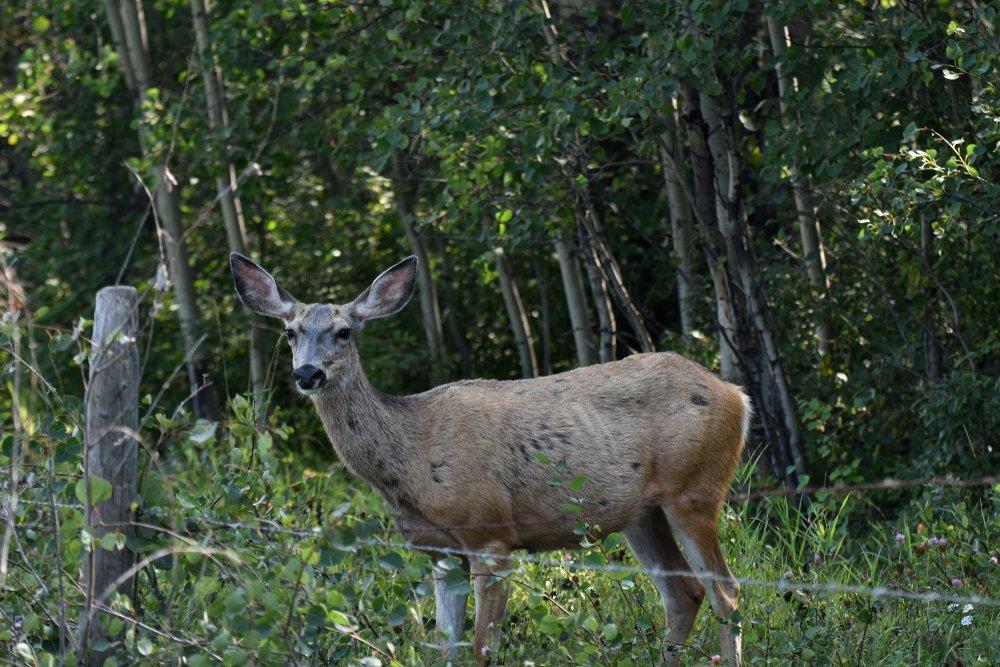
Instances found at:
x=322 y=335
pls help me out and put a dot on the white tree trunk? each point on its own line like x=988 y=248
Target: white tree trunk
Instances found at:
x=226 y=183
x=733 y=227
x=430 y=310
x=602 y=301
x=165 y=199
x=704 y=207
x=813 y=252
x=611 y=274
x=680 y=223
x=167 y=209
x=576 y=302
x=519 y=326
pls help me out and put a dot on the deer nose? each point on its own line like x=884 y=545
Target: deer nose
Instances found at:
x=309 y=377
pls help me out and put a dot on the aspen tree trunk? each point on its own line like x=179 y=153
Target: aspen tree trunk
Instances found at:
x=450 y=313
x=165 y=202
x=724 y=181
x=118 y=38
x=741 y=361
x=705 y=212
x=430 y=311
x=733 y=227
x=226 y=182
x=576 y=302
x=168 y=208
x=519 y=325
x=545 y=317
x=611 y=274
x=680 y=223
x=602 y=300
x=813 y=252
x=591 y=260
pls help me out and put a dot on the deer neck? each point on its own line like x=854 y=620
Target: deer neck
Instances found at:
x=369 y=433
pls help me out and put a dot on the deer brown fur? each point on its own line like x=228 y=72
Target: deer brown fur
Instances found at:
x=467 y=465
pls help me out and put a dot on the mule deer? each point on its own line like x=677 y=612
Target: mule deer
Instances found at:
x=655 y=437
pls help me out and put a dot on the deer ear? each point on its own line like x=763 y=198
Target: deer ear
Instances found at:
x=388 y=293
x=258 y=290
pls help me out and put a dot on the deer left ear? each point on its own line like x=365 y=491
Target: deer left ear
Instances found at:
x=388 y=293
x=258 y=290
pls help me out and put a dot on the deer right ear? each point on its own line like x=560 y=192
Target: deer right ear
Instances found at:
x=258 y=290
x=388 y=293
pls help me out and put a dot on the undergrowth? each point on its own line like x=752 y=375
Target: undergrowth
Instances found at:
x=275 y=555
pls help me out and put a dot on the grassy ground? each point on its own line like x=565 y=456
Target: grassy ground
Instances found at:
x=280 y=568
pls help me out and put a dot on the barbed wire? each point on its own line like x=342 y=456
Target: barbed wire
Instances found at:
x=828 y=589
x=575 y=565
x=270 y=526
x=888 y=483
x=781 y=585
x=882 y=592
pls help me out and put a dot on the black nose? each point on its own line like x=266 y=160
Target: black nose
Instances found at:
x=309 y=377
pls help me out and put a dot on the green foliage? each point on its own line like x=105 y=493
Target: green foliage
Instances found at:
x=281 y=556
x=495 y=133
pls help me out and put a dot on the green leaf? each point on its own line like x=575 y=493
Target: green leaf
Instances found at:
x=206 y=585
x=220 y=641
x=550 y=625
x=572 y=508
x=113 y=542
x=144 y=645
x=235 y=657
x=100 y=490
x=203 y=431
x=457 y=581
x=578 y=482
x=391 y=561
x=398 y=615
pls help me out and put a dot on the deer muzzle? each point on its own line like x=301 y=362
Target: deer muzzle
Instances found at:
x=309 y=377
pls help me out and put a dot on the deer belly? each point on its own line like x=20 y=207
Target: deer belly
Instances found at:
x=420 y=533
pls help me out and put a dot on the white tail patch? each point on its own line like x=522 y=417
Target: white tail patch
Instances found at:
x=747 y=417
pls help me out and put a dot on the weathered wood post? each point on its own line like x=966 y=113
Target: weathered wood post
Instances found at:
x=112 y=416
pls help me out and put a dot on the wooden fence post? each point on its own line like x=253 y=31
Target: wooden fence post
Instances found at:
x=111 y=453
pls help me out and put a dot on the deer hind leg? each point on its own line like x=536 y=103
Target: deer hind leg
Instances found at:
x=651 y=539
x=491 y=602
x=697 y=527
x=450 y=607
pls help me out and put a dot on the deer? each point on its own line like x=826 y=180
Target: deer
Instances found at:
x=466 y=466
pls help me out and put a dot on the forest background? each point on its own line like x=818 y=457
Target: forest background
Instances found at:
x=802 y=195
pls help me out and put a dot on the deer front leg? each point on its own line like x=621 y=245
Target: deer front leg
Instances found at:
x=491 y=602
x=450 y=610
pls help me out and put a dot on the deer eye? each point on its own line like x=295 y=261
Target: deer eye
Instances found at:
x=343 y=334
x=289 y=334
